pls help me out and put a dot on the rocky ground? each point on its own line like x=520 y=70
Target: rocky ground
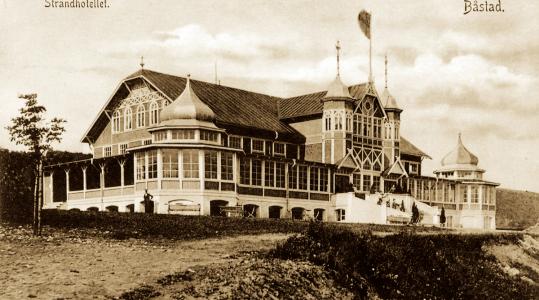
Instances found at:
x=249 y=277
x=522 y=260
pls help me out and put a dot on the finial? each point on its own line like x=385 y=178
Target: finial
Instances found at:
x=386 y=69
x=188 y=84
x=142 y=62
x=338 y=47
x=460 y=137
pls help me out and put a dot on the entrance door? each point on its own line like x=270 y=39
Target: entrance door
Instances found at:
x=342 y=184
x=215 y=207
x=275 y=212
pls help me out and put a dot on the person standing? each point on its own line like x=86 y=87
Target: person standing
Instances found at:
x=148 y=203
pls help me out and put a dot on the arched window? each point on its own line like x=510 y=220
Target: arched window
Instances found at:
x=338 y=121
x=128 y=119
x=154 y=113
x=140 y=115
x=116 y=121
x=328 y=122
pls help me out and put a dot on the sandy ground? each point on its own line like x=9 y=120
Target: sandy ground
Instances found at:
x=67 y=266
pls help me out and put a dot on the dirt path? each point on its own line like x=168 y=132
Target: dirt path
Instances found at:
x=68 y=267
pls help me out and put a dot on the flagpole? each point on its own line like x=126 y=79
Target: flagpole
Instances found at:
x=370 y=49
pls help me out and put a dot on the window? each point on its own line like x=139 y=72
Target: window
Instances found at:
x=141 y=166
x=116 y=122
x=279 y=175
x=328 y=122
x=170 y=163
x=152 y=164
x=183 y=134
x=190 y=164
x=258 y=146
x=293 y=177
x=140 y=116
x=302 y=177
x=147 y=142
x=234 y=142
x=366 y=182
x=323 y=180
x=314 y=179
x=278 y=149
x=128 y=119
x=475 y=194
x=210 y=164
x=376 y=183
x=357 y=181
x=211 y=136
x=269 y=173
x=107 y=151
x=338 y=121
x=245 y=171
x=464 y=193
x=122 y=148
x=154 y=113
x=160 y=136
x=348 y=122
x=227 y=167
x=341 y=214
x=256 y=172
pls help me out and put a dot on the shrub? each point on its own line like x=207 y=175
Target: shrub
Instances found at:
x=139 y=225
x=407 y=265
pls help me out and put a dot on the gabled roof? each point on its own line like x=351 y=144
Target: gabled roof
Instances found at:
x=232 y=107
x=408 y=148
x=348 y=161
x=311 y=104
x=397 y=168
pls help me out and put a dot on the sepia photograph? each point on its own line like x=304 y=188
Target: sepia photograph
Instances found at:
x=269 y=149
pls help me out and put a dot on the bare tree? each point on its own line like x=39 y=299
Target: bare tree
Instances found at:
x=31 y=130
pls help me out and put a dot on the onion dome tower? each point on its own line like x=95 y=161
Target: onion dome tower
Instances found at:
x=392 y=123
x=186 y=119
x=187 y=109
x=336 y=118
x=460 y=163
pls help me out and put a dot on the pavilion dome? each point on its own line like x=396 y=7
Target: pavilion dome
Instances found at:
x=337 y=89
x=187 y=107
x=460 y=156
x=388 y=100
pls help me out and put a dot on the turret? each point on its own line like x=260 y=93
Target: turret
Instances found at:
x=392 y=123
x=336 y=119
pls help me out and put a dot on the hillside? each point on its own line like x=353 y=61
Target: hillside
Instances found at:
x=516 y=209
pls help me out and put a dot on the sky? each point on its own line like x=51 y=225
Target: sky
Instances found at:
x=476 y=73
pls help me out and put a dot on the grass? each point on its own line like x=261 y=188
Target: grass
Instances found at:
x=408 y=265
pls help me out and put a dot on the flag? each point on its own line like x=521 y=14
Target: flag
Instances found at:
x=364 y=19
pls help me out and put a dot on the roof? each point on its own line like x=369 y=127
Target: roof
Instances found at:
x=408 y=148
x=232 y=107
x=311 y=104
x=389 y=101
x=460 y=156
x=337 y=89
x=187 y=106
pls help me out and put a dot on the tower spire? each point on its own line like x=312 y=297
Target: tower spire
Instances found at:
x=385 y=61
x=142 y=62
x=338 y=48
